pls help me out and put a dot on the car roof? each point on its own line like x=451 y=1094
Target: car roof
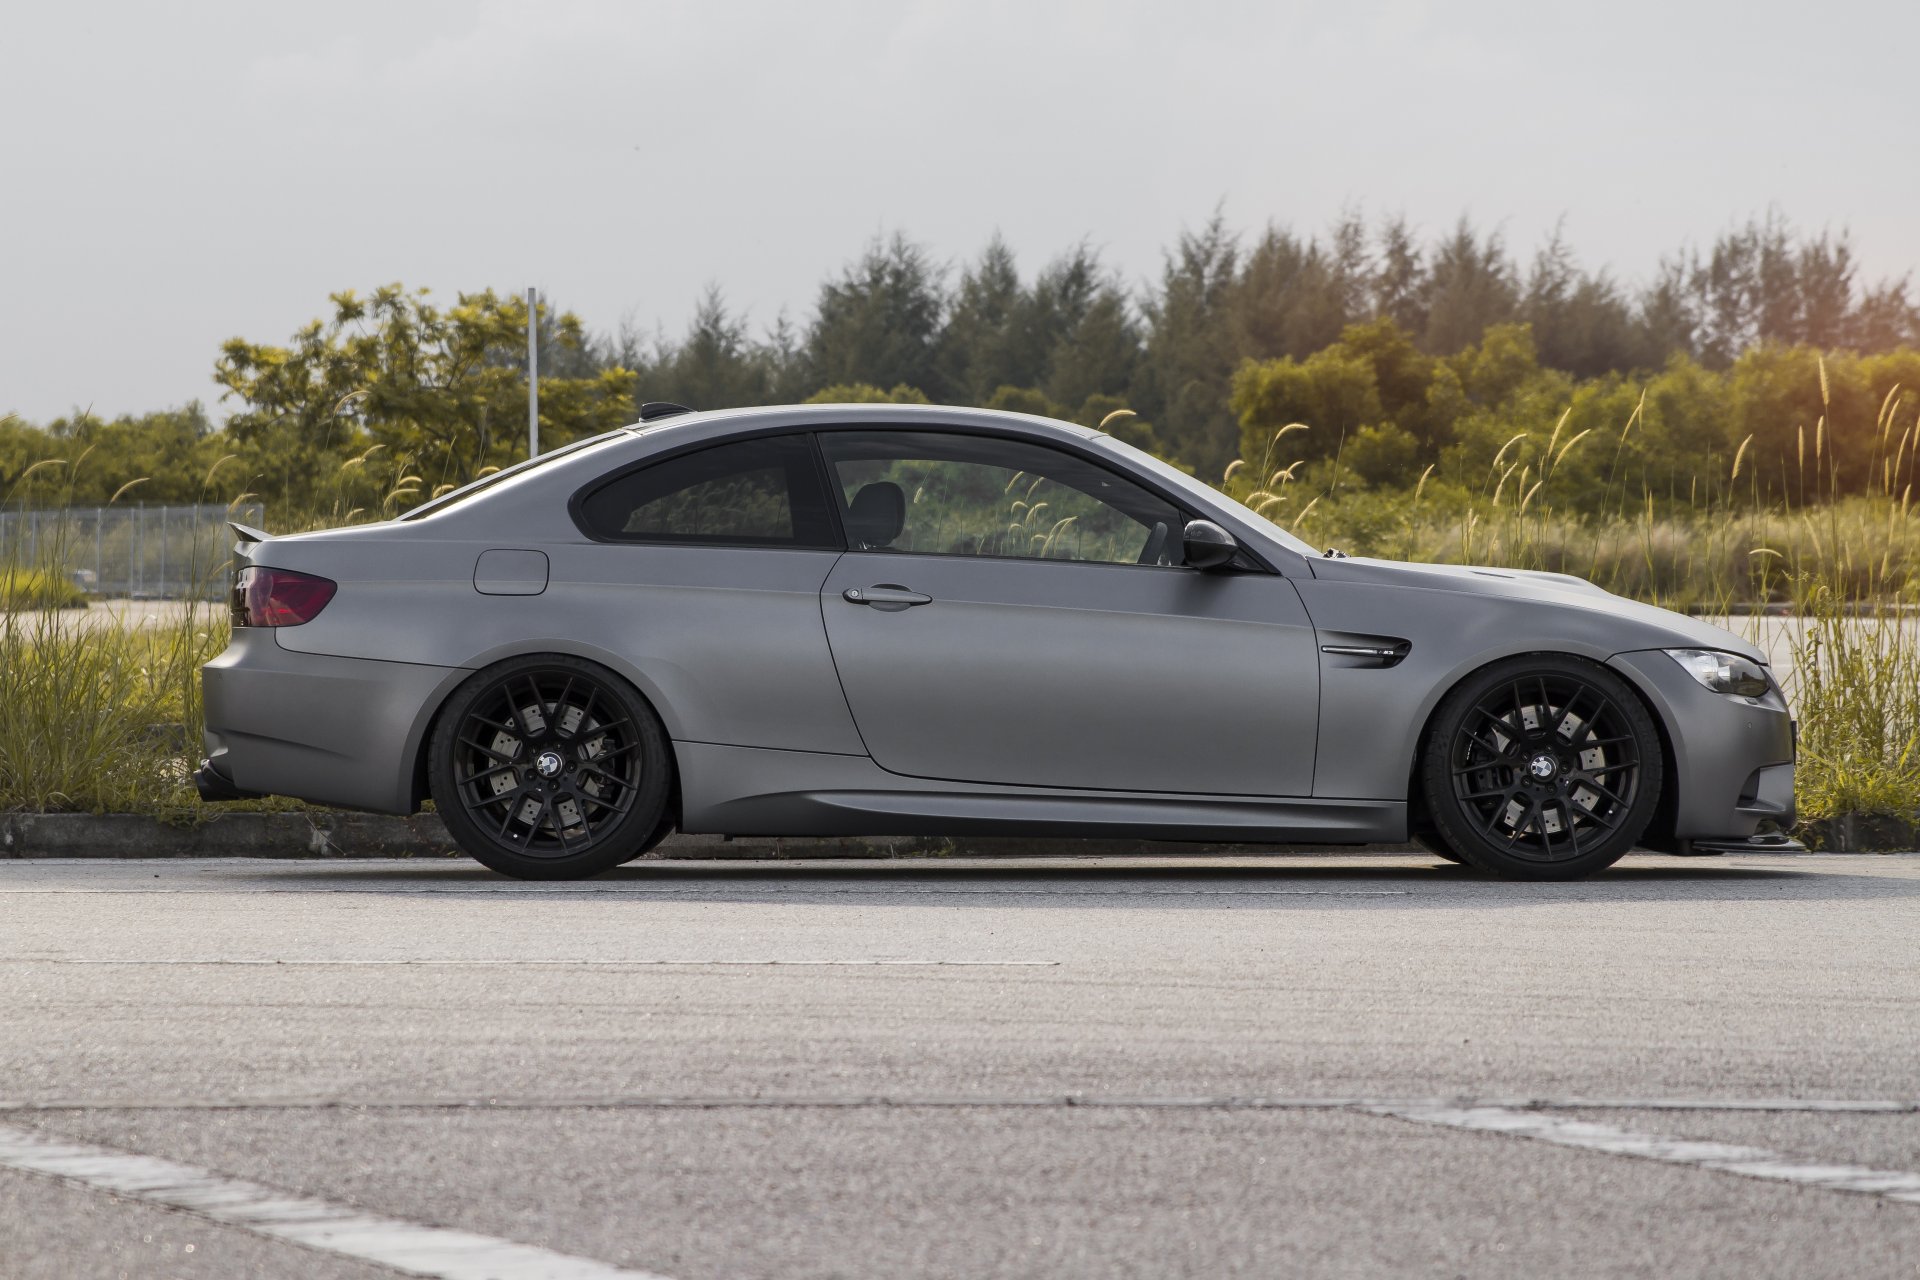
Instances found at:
x=904 y=417
x=638 y=441
x=694 y=427
x=524 y=495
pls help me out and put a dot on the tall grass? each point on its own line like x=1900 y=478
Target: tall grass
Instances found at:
x=1845 y=573
x=1854 y=683
x=1720 y=545
x=95 y=716
x=99 y=716
x=100 y=711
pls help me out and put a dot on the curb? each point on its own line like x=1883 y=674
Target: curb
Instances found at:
x=324 y=834
x=227 y=835
x=1861 y=833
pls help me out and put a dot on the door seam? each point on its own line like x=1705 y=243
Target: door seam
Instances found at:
x=826 y=635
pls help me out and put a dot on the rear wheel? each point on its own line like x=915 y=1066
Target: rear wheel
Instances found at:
x=1541 y=768
x=1433 y=844
x=550 y=768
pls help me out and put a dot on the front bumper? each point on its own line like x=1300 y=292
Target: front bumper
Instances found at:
x=336 y=731
x=1770 y=843
x=1733 y=757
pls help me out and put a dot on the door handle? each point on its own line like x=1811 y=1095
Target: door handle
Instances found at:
x=885 y=596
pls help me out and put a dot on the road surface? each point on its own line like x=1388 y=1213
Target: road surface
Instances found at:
x=1305 y=1066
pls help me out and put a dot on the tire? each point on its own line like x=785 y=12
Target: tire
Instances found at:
x=549 y=767
x=1433 y=844
x=1541 y=767
x=662 y=829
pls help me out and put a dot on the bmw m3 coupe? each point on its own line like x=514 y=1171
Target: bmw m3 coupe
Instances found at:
x=839 y=620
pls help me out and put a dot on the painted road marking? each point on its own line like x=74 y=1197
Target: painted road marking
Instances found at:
x=1721 y=1157
x=711 y=1102
x=548 y=964
x=446 y=1254
x=302 y=1220
x=786 y=887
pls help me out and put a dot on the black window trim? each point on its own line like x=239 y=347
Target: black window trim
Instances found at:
x=1185 y=509
x=1257 y=563
x=576 y=505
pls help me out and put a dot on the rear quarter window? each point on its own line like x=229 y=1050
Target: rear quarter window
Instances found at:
x=764 y=492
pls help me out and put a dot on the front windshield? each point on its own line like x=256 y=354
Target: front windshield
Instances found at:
x=1179 y=480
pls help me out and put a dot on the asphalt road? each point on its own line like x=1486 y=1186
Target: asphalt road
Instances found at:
x=1306 y=1066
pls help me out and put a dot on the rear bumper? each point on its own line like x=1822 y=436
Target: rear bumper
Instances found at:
x=337 y=731
x=215 y=786
x=1733 y=758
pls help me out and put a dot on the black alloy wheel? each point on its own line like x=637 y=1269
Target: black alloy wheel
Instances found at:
x=1543 y=767
x=550 y=768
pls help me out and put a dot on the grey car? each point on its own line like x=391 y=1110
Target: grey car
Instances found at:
x=839 y=620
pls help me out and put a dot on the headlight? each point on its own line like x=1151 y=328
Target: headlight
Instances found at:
x=1723 y=672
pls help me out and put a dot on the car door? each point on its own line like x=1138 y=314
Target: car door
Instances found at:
x=704 y=572
x=1009 y=612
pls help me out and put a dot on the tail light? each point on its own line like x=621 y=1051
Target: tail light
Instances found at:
x=265 y=597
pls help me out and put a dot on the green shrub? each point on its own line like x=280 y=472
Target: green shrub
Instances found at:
x=36 y=589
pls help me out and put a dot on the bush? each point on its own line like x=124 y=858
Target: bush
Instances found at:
x=863 y=393
x=35 y=589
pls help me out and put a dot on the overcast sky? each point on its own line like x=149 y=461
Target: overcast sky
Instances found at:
x=177 y=174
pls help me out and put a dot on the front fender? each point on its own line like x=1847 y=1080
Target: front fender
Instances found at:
x=1733 y=757
x=1372 y=717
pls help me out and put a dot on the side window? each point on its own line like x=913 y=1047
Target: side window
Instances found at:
x=932 y=493
x=751 y=493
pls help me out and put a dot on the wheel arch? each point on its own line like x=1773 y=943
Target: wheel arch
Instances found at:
x=420 y=737
x=1666 y=810
x=1666 y=805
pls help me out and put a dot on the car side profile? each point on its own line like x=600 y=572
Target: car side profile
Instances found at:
x=838 y=620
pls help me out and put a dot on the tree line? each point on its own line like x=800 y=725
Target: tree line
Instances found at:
x=1405 y=358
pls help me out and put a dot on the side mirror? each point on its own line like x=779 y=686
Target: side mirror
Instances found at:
x=1207 y=546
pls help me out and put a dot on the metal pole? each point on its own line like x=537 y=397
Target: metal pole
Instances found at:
x=533 y=379
x=162 y=590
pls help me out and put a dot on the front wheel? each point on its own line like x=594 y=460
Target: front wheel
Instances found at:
x=550 y=768
x=1541 y=767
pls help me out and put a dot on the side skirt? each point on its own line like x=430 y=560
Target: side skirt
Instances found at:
x=747 y=791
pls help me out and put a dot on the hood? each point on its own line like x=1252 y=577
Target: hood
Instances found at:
x=1662 y=628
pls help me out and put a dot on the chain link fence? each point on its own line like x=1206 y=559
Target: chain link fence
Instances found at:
x=138 y=552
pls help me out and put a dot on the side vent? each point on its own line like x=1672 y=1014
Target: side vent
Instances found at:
x=1347 y=649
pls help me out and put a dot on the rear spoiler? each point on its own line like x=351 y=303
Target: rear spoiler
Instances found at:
x=248 y=536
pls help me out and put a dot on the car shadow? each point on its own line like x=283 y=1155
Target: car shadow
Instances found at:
x=1111 y=883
